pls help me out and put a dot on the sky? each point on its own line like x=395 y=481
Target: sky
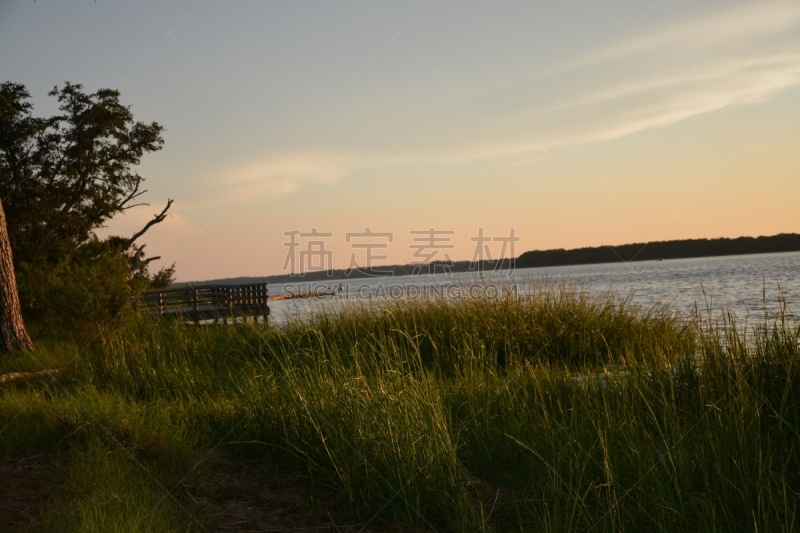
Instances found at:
x=571 y=124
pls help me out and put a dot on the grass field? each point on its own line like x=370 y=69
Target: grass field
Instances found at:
x=549 y=411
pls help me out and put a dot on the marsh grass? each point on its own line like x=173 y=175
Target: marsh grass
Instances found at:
x=106 y=491
x=552 y=410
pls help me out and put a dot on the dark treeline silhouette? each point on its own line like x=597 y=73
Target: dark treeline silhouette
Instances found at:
x=687 y=248
x=784 y=242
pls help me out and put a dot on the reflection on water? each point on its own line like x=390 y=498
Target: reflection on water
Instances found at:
x=741 y=284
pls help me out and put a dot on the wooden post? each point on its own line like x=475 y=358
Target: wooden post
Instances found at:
x=266 y=301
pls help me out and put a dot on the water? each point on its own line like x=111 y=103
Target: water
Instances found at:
x=745 y=285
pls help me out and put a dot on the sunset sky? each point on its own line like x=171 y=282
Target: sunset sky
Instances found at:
x=575 y=123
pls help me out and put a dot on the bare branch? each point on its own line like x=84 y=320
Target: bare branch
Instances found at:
x=136 y=259
x=155 y=220
x=137 y=264
x=149 y=260
x=135 y=193
x=12 y=376
x=134 y=205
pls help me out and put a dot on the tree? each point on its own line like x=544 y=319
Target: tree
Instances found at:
x=63 y=177
x=13 y=334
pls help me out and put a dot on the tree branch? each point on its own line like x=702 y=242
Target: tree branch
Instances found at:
x=134 y=205
x=155 y=220
x=135 y=193
x=149 y=259
x=137 y=263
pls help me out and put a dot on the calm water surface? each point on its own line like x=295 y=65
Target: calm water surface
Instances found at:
x=741 y=284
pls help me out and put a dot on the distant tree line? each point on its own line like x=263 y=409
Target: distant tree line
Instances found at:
x=686 y=248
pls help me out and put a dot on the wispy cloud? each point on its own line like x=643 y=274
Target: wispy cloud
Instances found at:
x=741 y=56
x=644 y=105
x=739 y=27
x=277 y=177
x=660 y=76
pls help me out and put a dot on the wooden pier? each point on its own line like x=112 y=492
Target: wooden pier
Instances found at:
x=207 y=302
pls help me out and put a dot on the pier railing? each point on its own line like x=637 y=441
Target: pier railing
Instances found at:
x=205 y=302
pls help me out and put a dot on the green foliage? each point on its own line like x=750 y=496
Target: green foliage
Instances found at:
x=63 y=177
x=82 y=295
x=160 y=280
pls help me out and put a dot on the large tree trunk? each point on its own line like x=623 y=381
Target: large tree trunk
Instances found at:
x=13 y=335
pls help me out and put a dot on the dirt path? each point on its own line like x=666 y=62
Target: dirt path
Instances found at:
x=27 y=485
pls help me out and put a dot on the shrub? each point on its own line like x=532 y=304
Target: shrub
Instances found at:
x=82 y=295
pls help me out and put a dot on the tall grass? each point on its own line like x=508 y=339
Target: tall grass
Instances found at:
x=549 y=411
